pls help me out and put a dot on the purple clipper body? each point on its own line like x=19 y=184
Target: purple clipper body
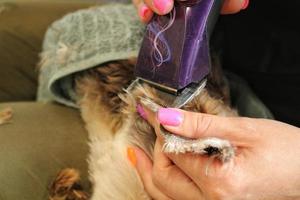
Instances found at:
x=175 y=49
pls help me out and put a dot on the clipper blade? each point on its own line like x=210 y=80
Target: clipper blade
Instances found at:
x=173 y=99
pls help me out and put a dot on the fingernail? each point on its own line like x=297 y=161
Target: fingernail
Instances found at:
x=141 y=111
x=131 y=156
x=170 y=117
x=246 y=3
x=162 y=5
x=144 y=11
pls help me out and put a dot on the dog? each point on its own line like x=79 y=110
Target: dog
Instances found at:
x=113 y=124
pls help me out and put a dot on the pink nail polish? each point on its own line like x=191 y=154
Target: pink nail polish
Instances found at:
x=170 y=117
x=141 y=111
x=246 y=3
x=143 y=12
x=162 y=5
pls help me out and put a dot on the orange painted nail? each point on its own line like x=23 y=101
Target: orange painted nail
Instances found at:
x=131 y=156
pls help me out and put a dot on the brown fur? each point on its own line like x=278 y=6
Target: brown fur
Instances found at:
x=66 y=186
x=6 y=115
x=102 y=98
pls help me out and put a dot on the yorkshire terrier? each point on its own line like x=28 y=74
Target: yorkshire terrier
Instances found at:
x=113 y=124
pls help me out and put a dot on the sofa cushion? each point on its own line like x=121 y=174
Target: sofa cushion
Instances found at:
x=22 y=28
x=40 y=140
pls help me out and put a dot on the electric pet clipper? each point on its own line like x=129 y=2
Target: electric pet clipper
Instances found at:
x=174 y=56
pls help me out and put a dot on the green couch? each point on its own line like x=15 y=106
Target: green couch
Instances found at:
x=41 y=138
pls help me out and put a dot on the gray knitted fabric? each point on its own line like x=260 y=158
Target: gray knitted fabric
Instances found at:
x=82 y=40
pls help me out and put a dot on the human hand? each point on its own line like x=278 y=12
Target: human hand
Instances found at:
x=266 y=164
x=147 y=7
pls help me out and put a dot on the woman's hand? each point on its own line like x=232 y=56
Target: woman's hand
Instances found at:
x=147 y=7
x=266 y=164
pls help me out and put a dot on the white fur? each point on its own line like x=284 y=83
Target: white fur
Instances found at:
x=112 y=175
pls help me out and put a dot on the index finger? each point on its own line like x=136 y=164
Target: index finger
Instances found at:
x=151 y=117
x=170 y=179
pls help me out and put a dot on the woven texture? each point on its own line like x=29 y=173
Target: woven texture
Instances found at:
x=82 y=40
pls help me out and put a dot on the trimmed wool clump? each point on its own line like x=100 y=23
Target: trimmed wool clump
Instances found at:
x=6 y=116
x=66 y=186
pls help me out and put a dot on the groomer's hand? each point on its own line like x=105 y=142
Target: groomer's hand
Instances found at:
x=266 y=165
x=147 y=7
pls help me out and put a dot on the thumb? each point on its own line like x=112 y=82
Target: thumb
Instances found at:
x=199 y=125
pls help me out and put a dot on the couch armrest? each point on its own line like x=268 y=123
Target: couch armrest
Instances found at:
x=22 y=28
